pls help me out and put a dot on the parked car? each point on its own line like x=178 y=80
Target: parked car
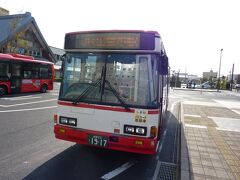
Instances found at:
x=205 y=85
x=237 y=86
x=183 y=85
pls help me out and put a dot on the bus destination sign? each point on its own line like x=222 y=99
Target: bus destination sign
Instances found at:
x=104 y=41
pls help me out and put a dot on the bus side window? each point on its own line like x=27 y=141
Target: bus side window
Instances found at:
x=4 y=71
x=45 y=71
x=30 y=71
x=16 y=69
x=27 y=71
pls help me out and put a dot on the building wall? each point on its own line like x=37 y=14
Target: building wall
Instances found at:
x=3 y=12
x=208 y=75
x=25 y=43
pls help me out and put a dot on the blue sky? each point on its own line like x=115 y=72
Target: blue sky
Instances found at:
x=193 y=31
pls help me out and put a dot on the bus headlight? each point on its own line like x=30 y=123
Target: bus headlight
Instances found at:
x=135 y=130
x=68 y=121
x=140 y=130
x=72 y=122
x=63 y=120
x=129 y=129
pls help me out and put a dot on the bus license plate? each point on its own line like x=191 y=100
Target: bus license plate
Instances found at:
x=97 y=140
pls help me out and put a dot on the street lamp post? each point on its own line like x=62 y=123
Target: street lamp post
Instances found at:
x=219 y=71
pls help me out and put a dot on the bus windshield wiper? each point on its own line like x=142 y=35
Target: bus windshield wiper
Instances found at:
x=115 y=92
x=87 y=90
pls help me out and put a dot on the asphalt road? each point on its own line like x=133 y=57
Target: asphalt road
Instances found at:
x=29 y=149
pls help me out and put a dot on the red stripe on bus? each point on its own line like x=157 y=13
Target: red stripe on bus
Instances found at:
x=153 y=112
x=91 y=106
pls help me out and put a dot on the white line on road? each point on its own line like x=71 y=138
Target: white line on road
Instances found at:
x=196 y=126
x=236 y=111
x=16 y=97
x=163 y=138
x=35 y=102
x=165 y=132
x=191 y=115
x=32 y=109
x=55 y=94
x=22 y=98
x=232 y=130
x=156 y=170
x=172 y=107
x=119 y=170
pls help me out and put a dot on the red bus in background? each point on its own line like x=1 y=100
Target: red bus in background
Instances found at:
x=21 y=73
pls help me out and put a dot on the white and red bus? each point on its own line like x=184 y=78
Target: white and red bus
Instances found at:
x=21 y=73
x=114 y=91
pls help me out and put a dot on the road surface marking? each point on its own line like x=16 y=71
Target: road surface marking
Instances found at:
x=162 y=141
x=54 y=92
x=32 y=109
x=22 y=98
x=196 y=126
x=156 y=170
x=202 y=103
x=119 y=170
x=17 y=97
x=231 y=124
x=191 y=115
x=35 y=102
x=222 y=129
x=165 y=131
x=172 y=107
x=236 y=111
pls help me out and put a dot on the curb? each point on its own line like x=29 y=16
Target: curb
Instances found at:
x=200 y=90
x=184 y=160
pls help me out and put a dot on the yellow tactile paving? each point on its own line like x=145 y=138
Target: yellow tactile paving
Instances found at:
x=230 y=157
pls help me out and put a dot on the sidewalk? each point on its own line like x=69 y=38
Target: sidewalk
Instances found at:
x=208 y=151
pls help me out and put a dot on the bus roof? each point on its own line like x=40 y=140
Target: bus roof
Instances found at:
x=21 y=57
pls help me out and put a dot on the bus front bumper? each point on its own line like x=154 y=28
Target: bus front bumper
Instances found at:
x=114 y=141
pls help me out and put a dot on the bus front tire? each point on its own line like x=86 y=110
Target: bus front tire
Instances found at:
x=3 y=90
x=44 y=88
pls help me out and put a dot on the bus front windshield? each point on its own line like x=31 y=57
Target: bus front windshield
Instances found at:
x=111 y=79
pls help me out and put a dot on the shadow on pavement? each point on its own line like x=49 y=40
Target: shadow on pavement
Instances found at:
x=83 y=162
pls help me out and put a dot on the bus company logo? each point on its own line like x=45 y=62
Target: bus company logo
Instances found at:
x=27 y=81
x=141 y=116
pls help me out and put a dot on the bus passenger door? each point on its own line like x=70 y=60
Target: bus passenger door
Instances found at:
x=16 y=78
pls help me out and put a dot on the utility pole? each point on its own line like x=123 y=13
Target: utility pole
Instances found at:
x=219 y=72
x=231 y=84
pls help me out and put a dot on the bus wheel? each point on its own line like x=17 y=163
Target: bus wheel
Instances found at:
x=3 y=90
x=44 y=88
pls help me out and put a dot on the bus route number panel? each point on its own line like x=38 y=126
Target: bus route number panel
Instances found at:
x=97 y=140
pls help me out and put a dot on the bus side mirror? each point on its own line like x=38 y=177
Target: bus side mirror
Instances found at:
x=163 y=65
